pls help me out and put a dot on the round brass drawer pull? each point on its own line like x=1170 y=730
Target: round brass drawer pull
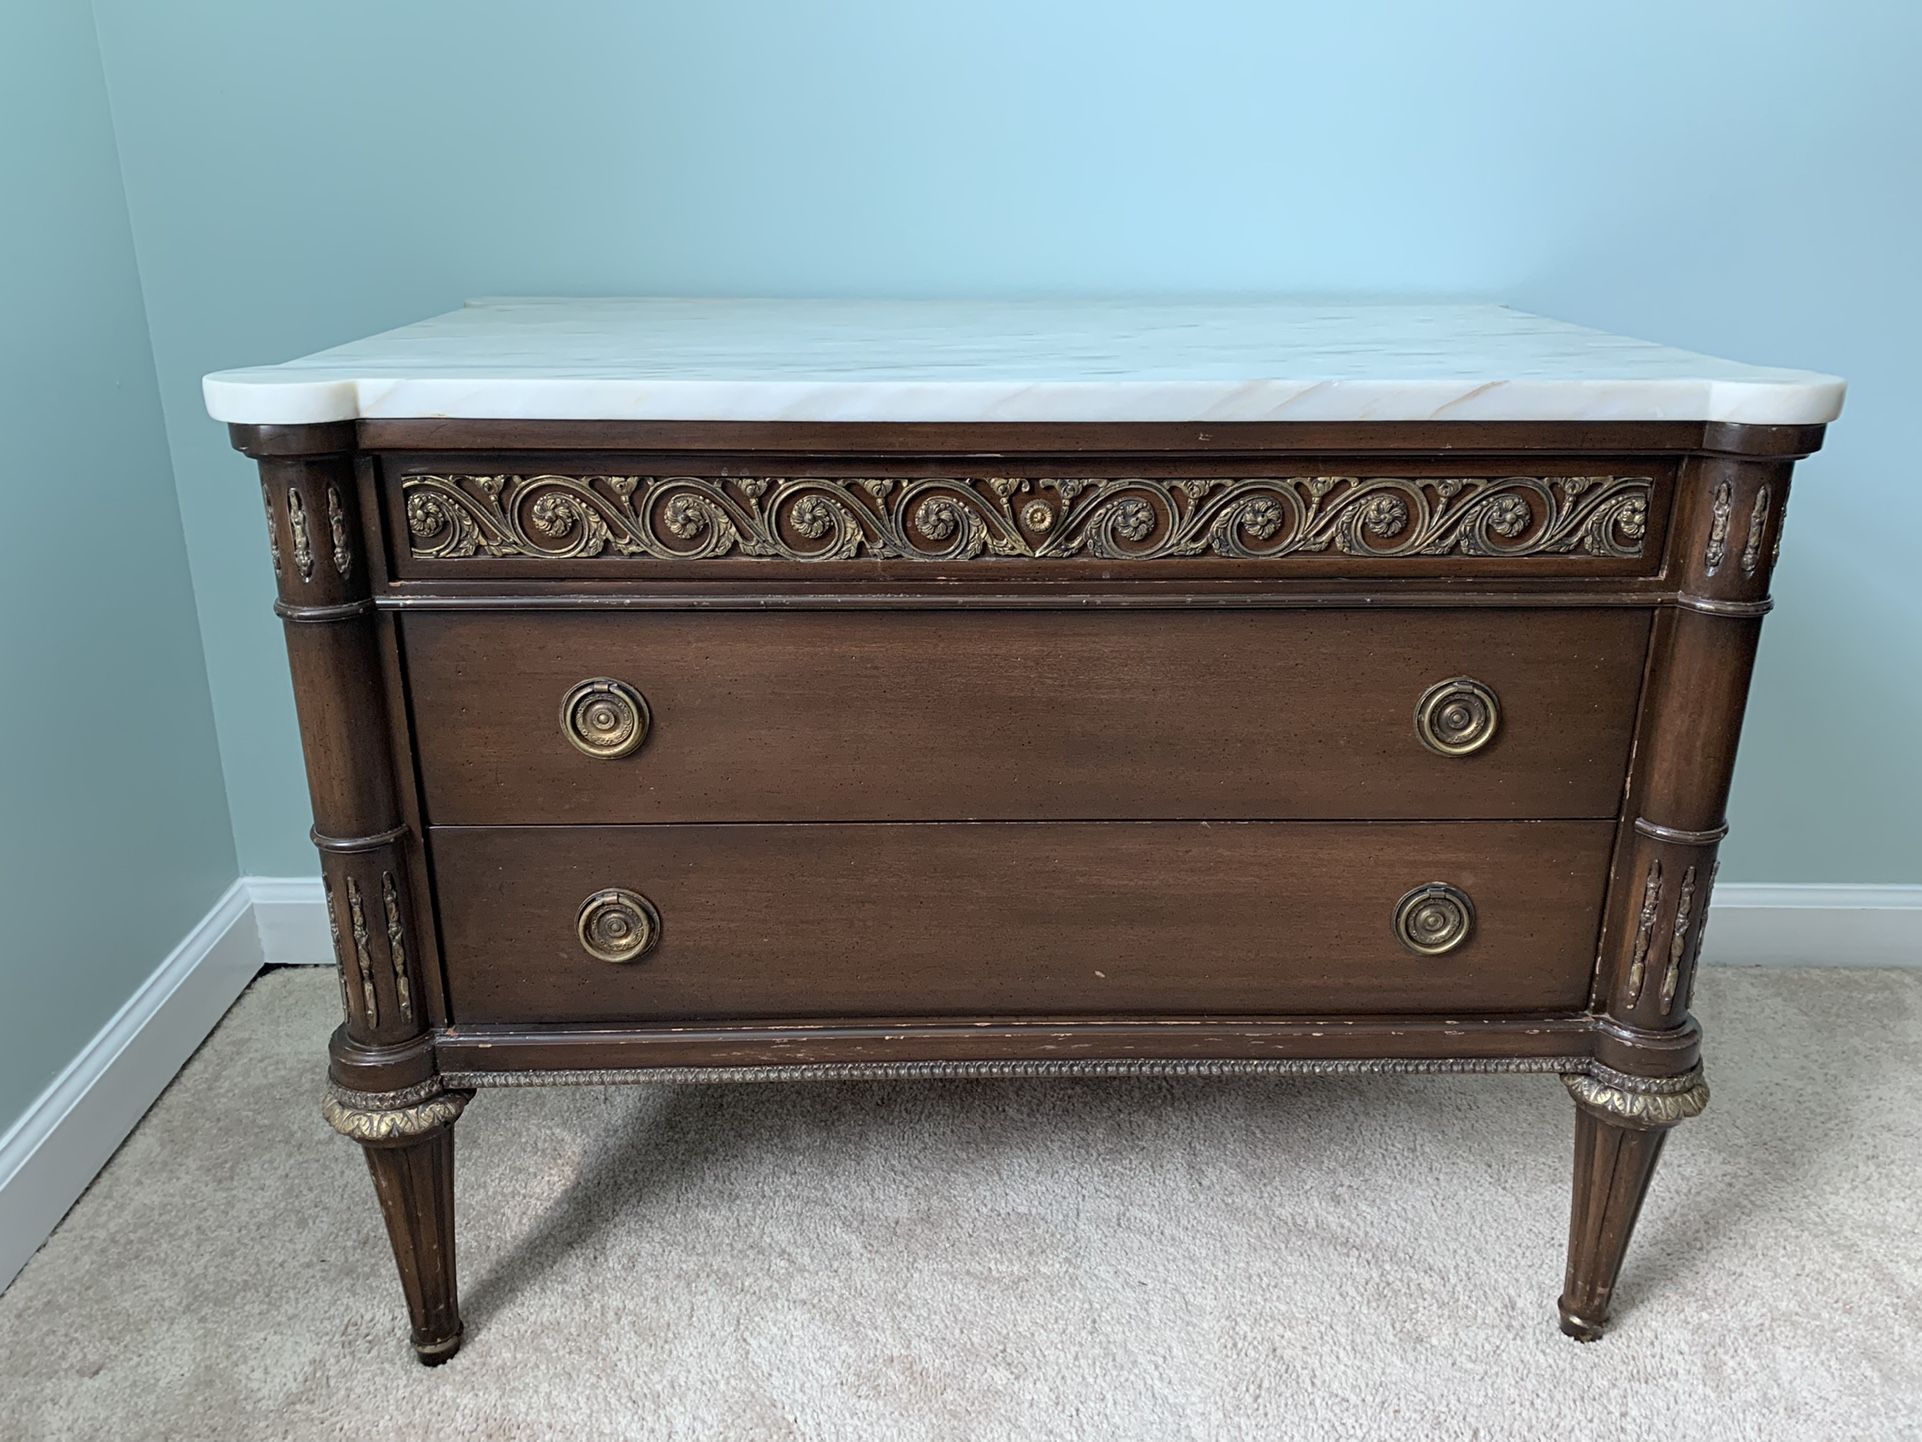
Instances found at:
x=618 y=925
x=605 y=718
x=1457 y=716
x=1434 y=919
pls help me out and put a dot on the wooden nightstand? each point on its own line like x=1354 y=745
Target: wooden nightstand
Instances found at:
x=709 y=691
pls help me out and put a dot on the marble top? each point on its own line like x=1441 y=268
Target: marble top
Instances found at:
x=847 y=360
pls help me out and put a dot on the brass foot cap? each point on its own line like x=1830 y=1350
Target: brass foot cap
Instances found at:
x=1580 y=1327
x=432 y=1354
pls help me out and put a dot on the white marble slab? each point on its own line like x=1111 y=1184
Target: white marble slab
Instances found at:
x=831 y=360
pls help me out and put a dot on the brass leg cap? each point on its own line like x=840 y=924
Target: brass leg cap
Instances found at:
x=1581 y=1328
x=432 y=1354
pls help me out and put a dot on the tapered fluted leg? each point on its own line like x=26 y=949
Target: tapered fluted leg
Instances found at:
x=1613 y=1167
x=1621 y=1123
x=415 y=1183
x=408 y=1139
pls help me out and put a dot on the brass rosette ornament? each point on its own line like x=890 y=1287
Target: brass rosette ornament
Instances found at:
x=618 y=925
x=1457 y=717
x=605 y=718
x=1435 y=919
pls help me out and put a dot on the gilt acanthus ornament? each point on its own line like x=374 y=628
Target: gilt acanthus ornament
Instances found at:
x=925 y=518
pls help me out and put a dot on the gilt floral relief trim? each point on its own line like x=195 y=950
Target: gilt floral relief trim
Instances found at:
x=1757 y=523
x=1645 y=931
x=363 y=960
x=1678 y=942
x=1720 y=506
x=396 y=945
x=337 y=533
x=273 y=529
x=808 y=518
x=1639 y=1101
x=297 y=524
x=393 y=1116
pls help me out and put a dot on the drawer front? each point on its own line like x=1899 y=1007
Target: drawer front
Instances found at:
x=1020 y=715
x=608 y=516
x=1095 y=919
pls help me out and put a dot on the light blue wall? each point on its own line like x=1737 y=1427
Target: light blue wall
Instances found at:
x=1730 y=175
x=114 y=837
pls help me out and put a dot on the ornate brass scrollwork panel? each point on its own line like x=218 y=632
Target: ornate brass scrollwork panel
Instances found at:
x=956 y=518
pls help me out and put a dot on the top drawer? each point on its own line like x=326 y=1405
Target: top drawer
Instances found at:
x=764 y=518
x=1022 y=715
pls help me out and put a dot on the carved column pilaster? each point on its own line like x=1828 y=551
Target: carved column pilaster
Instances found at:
x=1722 y=550
x=385 y=1093
x=1647 y=1075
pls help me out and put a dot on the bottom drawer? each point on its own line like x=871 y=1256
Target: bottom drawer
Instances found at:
x=1013 y=919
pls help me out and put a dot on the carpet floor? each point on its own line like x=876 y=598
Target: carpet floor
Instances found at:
x=1097 y=1259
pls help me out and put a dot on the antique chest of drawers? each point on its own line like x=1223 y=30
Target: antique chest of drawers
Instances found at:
x=708 y=691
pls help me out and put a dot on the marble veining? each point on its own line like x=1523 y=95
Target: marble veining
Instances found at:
x=834 y=360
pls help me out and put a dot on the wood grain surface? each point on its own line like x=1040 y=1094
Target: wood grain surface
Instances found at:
x=831 y=716
x=1017 y=919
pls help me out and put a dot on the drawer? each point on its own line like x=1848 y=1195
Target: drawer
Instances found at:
x=1019 y=715
x=760 y=517
x=1013 y=919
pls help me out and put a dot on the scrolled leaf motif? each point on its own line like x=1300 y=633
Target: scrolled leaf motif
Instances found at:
x=812 y=518
x=363 y=960
x=341 y=962
x=442 y=528
x=396 y=944
x=273 y=529
x=1556 y=515
x=343 y=550
x=1379 y=523
x=1757 y=523
x=1716 y=551
x=699 y=526
x=1645 y=931
x=297 y=526
x=933 y=519
x=1678 y=941
x=1253 y=523
x=822 y=519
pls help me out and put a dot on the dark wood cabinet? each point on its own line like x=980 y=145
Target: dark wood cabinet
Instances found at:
x=655 y=748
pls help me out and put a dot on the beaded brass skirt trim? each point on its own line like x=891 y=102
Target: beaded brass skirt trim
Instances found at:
x=962 y=1070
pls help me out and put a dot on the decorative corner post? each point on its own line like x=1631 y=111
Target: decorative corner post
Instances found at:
x=1647 y=1075
x=385 y=1091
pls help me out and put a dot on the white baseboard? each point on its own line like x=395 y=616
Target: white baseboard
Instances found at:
x=1750 y=925
x=1814 y=925
x=54 y=1151
x=292 y=916
x=1753 y=925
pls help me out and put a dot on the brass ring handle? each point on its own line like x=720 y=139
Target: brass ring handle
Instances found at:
x=1434 y=919
x=618 y=925
x=605 y=718
x=1457 y=717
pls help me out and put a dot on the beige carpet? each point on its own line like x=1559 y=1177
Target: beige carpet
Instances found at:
x=1122 y=1259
